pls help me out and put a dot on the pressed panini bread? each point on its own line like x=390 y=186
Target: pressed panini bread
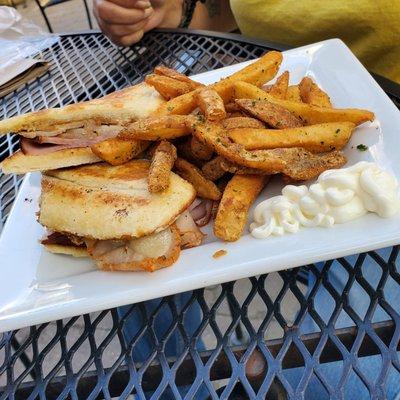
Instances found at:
x=62 y=137
x=122 y=106
x=19 y=163
x=110 y=202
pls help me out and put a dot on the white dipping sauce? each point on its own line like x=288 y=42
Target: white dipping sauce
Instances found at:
x=338 y=196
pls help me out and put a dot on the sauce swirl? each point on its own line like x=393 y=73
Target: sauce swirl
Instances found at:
x=338 y=196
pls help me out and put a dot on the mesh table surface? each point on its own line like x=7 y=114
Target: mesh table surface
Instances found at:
x=251 y=337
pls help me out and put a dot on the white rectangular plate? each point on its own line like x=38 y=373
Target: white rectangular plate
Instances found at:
x=36 y=286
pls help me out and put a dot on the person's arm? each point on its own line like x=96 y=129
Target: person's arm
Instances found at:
x=214 y=15
x=125 y=21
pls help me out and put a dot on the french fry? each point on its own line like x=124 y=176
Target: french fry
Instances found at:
x=214 y=210
x=158 y=128
x=293 y=93
x=311 y=93
x=257 y=73
x=169 y=88
x=232 y=108
x=117 y=151
x=204 y=187
x=316 y=138
x=161 y=165
x=185 y=151
x=171 y=73
x=181 y=105
x=200 y=150
x=274 y=115
x=295 y=162
x=211 y=104
x=237 y=114
x=279 y=88
x=212 y=169
x=232 y=168
x=308 y=113
x=237 y=198
x=242 y=122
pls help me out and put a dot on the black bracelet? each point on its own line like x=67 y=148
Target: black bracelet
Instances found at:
x=188 y=7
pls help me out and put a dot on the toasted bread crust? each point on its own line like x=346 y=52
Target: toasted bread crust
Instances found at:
x=122 y=106
x=19 y=163
x=110 y=202
x=74 y=251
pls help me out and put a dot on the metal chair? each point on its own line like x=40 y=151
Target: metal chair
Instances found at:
x=50 y=3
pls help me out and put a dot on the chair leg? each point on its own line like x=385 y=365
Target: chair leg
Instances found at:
x=88 y=14
x=44 y=16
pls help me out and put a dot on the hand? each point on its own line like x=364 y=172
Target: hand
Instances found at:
x=126 y=21
x=123 y=21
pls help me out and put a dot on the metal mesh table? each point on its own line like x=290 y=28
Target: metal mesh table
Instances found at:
x=247 y=354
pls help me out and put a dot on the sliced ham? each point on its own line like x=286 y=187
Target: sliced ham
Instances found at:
x=65 y=141
x=32 y=148
x=97 y=134
x=72 y=138
x=63 y=239
x=201 y=212
x=191 y=235
x=148 y=253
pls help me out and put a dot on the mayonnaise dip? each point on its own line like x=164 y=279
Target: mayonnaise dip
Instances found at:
x=338 y=196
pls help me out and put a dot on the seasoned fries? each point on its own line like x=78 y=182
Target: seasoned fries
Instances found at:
x=280 y=87
x=242 y=122
x=293 y=93
x=200 y=150
x=308 y=113
x=204 y=187
x=228 y=138
x=316 y=138
x=295 y=162
x=117 y=151
x=257 y=73
x=213 y=170
x=185 y=151
x=211 y=104
x=232 y=168
x=311 y=93
x=233 y=108
x=161 y=165
x=169 y=88
x=171 y=73
x=238 y=196
x=274 y=115
x=158 y=128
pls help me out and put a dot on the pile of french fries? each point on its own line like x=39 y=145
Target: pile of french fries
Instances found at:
x=228 y=138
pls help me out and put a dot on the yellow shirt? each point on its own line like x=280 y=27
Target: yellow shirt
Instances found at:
x=371 y=28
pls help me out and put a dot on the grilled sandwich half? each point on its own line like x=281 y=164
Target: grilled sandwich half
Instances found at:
x=107 y=213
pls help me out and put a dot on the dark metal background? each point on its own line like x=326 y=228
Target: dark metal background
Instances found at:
x=245 y=359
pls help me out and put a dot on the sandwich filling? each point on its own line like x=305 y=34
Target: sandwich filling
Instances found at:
x=107 y=213
x=149 y=253
x=66 y=136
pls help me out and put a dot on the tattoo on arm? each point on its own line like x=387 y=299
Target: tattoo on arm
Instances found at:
x=213 y=7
